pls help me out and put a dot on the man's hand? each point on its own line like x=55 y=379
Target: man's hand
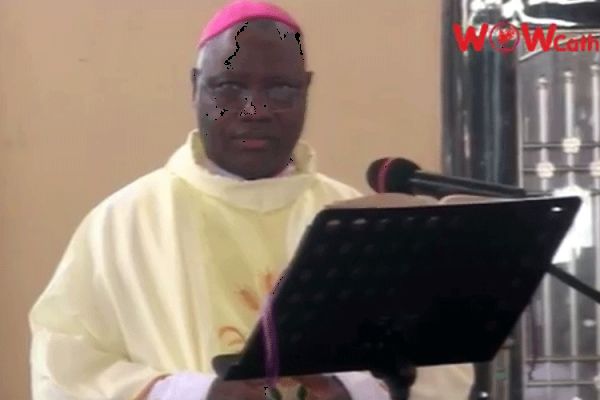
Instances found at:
x=237 y=390
x=317 y=387
x=321 y=387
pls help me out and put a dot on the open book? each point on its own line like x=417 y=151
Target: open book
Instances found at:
x=395 y=200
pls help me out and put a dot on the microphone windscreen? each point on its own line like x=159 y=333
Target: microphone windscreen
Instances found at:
x=391 y=175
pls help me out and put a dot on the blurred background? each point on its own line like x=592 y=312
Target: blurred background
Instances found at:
x=532 y=118
x=95 y=93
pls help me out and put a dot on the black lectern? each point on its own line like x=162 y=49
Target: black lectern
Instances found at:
x=377 y=288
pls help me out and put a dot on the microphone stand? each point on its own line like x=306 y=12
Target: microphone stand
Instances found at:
x=380 y=341
x=398 y=381
x=574 y=283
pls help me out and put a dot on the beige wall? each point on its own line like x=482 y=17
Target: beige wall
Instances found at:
x=94 y=93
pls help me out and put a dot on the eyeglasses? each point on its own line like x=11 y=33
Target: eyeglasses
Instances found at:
x=232 y=96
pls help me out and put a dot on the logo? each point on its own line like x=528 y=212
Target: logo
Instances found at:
x=504 y=37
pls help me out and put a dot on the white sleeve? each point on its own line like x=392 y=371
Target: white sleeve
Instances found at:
x=433 y=383
x=182 y=386
x=363 y=386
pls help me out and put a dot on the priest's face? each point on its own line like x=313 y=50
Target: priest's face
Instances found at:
x=250 y=98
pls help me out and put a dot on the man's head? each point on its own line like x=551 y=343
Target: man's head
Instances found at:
x=250 y=89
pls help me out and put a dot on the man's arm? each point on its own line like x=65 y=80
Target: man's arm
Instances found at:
x=77 y=349
x=362 y=385
x=196 y=386
x=77 y=352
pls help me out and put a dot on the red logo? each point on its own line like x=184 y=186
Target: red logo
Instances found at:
x=504 y=37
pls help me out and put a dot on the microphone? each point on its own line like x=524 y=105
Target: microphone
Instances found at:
x=399 y=175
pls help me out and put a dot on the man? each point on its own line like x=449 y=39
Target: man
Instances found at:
x=173 y=269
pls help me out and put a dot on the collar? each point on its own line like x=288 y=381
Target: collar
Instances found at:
x=189 y=163
x=213 y=168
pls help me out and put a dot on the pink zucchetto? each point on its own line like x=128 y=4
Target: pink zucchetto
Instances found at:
x=241 y=11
